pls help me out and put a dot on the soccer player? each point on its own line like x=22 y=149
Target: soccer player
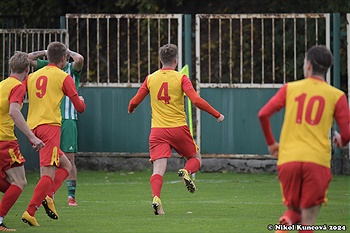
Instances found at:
x=69 y=131
x=46 y=88
x=12 y=172
x=304 y=151
x=169 y=129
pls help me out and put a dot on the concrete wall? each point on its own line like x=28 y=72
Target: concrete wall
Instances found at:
x=138 y=162
x=220 y=163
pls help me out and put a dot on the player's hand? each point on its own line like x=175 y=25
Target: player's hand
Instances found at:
x=81 y=98
x=220 y=118
x=131 y=109
x=37 y=144
x=273 y=149
x=337 y=140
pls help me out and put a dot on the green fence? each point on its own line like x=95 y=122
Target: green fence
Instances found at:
x=106 y=126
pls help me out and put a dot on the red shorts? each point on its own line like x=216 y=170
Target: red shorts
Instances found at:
x=304 y=184
x=163 y=140
x=10 y=156
x=51 y=135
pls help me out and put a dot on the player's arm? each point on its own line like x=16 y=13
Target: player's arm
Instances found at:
x=342 y=117
x=198 y=101
x=16 y=98
x=78 y=60
x=275 y=104
x=34 y=56
x=70 y=91
x=139 y=97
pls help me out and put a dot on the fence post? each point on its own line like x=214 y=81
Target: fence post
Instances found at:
x=188 y=42
x=337 y=158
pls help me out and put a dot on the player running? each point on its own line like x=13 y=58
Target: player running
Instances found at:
x=304 y=152
x=169 y=129
x=46 y=88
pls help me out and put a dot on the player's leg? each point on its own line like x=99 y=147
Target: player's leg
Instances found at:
x=290 y=216
x=16 y=175
x=61 y=173
x=289 y=175
x=160 y=151
x=183 y=143
x=316 y=181
x=309 y=215
x=40 y=192
x=69 y=144
x=156 y=182
x=71 y=180
x=5 y=147
x=49 y=157
x=193 y=164
x=4 y=185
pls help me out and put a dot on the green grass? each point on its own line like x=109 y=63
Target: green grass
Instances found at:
x=224 y=202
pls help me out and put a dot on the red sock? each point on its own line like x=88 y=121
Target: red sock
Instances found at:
x=192 y=165
x=156 y=182
x=60 y=175
x=4 y=185
x=40 y=193
x=9 y=198
x=293 y=216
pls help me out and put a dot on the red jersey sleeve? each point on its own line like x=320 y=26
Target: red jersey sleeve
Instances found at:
x=342 y=116
x=140 y=95
x=196 y=99
x=70 y=90
x=17 y=94
x=275 y=104
x=186 y=84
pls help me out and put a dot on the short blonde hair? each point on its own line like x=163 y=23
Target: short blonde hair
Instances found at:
x=18 y=62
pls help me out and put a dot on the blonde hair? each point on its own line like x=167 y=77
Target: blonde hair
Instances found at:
x=18 y=62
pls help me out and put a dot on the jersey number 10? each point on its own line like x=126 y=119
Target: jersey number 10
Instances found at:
x=309 y=109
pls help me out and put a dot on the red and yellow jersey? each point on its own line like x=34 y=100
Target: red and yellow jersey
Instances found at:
x=167 y=87
x=46 y=88
x=167 y=98
x=11 y=90
x=311 y=105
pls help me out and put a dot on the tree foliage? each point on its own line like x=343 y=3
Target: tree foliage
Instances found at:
x=39 y=14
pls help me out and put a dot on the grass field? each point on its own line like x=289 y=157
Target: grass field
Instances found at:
x=224 y=202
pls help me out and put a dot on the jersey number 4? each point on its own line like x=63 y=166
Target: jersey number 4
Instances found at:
x=41 y=84
x=310 y=117
x=163 y=93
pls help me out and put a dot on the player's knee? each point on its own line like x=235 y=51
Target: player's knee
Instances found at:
x=21 y=183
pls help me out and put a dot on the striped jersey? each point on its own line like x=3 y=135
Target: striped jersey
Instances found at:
x=67 y=108
x=11 y=90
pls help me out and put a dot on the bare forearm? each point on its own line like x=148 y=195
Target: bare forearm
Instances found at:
x=78 y=60
x=37 y=54
x=33 y=57
x=20 y=122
